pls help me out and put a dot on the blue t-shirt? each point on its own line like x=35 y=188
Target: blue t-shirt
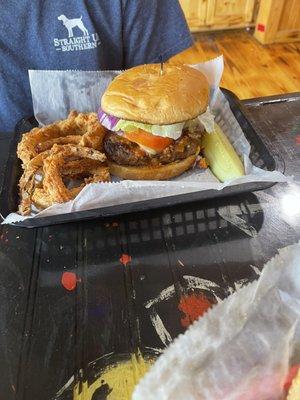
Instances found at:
x=83 y=35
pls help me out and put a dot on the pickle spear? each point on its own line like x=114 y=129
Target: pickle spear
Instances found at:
x=221 y=156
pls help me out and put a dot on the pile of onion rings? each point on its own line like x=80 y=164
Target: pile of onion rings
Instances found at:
x=56 y=155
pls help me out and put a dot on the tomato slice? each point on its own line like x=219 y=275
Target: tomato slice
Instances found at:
x=157 y=143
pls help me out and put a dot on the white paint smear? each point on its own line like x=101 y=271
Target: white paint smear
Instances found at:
x=164 y=295
x=193 y=282
x=256 y=270
x=229 y=213
x=240 y=283
x=162 y=332
x=66 y=386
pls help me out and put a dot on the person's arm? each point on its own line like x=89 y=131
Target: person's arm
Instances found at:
x=153 y=29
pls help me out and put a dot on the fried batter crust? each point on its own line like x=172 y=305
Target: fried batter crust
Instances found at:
x=62 y=161
x=83 y=129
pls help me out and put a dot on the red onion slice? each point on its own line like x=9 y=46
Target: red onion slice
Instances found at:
x=109 y=121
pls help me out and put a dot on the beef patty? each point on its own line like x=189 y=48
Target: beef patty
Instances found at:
x=124 y=152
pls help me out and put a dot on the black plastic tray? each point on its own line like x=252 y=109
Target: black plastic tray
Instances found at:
x=260 y=156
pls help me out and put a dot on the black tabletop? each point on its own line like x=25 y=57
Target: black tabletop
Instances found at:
x=80 y=299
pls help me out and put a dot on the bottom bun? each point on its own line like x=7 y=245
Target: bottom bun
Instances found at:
x=157 y=173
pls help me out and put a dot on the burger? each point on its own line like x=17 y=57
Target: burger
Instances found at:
x=153 y=117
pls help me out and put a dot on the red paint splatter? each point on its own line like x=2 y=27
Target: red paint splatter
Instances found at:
x=290 y=377
x=125 y=259
x=298 y=140
x=261 y=27
x=193 y=306
x=69 y=280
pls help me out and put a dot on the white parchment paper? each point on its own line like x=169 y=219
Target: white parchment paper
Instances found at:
x=82 y=90
x=241 y=349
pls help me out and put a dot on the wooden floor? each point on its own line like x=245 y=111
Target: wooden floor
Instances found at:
x=251 y=69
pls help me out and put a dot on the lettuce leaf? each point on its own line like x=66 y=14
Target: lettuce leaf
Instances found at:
x=172 y=131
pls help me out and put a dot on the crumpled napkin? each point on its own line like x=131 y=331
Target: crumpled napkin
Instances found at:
x=241 y=349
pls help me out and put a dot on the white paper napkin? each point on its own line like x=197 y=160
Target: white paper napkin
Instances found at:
x=240 y=350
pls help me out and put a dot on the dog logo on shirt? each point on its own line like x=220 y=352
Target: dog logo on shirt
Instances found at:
x=86 y=41
x=73 y=23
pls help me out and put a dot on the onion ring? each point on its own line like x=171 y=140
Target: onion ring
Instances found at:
x=47 y=145
x=27 y=182
x=85 y=125
x=73 y=169
x=58 y=153
x=76 y=169
x=41 y=198
x=53 y=180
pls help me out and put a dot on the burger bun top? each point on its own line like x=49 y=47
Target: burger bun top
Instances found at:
x=144 y=94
